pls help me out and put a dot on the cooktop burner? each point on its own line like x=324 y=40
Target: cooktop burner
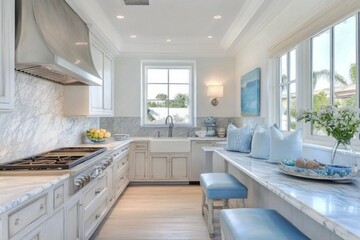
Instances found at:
x=62 y=158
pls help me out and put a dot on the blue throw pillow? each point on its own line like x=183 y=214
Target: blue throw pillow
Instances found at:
x=238 y=139
x=260 y=143
x=285 y=145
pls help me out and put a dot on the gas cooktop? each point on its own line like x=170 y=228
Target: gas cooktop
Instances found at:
x=62 y=158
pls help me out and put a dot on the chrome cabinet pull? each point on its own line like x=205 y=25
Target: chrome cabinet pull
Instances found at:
x=17 y=221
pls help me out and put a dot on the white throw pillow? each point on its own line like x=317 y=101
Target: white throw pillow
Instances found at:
x=285 y=145
x=260 y=144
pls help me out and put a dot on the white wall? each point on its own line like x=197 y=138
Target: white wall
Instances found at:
x=255 y=53
x=215 y=70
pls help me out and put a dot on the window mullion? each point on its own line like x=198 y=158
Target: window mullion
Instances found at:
x=288 y=90
x=332 y=74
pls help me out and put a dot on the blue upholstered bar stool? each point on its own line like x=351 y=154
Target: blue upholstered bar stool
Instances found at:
x=257 y=224
x=219 y=186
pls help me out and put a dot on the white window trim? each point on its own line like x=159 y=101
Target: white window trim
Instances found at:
x=192 y=91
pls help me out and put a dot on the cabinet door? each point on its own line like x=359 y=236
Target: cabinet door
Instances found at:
x=179 y=168
x=107 y=84
x=54 y=227
x=198 y=158
x=97 y=91
x=7 y=33
x=139 y=165
x=74 y=218
x=159 y=167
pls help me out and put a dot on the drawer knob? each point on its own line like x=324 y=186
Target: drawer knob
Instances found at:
x=42 y=206
x=58 y=196
x=97 y=216
x=98 y=191
x=17 y=221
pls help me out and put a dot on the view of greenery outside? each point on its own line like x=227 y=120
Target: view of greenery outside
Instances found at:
x=334 y=75
x=162 y=103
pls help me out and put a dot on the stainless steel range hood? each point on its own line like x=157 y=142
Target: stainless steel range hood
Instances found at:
x=52 y=42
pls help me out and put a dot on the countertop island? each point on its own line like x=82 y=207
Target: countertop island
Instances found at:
x=335 y=206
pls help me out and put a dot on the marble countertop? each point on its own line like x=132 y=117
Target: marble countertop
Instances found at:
x=15 y=190
x=334 y=205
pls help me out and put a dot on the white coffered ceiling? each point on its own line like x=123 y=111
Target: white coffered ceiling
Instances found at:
x=186 y=23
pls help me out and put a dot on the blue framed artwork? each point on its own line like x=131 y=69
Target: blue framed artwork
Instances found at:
x=250 y=93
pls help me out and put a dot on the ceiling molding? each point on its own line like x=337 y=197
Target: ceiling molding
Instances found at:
x=90 y=12
x=243 y=18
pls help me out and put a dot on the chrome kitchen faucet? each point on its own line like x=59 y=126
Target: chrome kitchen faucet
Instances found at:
x=171 y=125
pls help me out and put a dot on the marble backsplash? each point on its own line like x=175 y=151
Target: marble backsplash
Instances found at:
x=37 y=123
x=132 y=126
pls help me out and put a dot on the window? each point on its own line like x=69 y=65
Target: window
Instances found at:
x=333 y=67
x=287 y=80
x=168 y=90
x=320 y=71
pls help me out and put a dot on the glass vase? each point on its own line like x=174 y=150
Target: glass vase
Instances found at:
x=343 y=154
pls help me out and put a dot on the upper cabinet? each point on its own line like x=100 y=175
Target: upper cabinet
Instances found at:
x=7 y=26
x=93 y=100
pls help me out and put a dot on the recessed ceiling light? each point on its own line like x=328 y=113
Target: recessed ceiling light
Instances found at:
x=132 y=36
x=210 y=36
x=217 y=17
x=120 y=17
x=168 y=40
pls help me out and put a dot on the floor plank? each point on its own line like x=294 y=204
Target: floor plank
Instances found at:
x=155 y=212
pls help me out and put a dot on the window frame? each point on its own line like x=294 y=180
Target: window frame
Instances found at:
x=168 y=64
x=287 y=83
x=304 y=94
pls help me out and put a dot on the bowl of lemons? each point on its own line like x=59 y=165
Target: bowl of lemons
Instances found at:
x=97 y=134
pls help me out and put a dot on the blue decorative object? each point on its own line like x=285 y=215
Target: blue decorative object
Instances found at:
x=328 y=172
x=238 y=139
x=250 y=93
x=210 y=123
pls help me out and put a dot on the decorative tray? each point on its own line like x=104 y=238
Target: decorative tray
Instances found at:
x=336 y=173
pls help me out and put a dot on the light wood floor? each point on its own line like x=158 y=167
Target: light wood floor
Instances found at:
x=155 y=212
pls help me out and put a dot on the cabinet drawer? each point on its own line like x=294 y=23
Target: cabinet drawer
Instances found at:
x=121 y=182
x=97 y=190
x=26 y=215
x=58 y=196
x=120 y=165
x=141 y=145
x=94 y=219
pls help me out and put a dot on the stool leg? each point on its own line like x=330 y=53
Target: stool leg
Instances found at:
x=210 y=219
x=226 y=203
x=203 y=203
x=242 y=202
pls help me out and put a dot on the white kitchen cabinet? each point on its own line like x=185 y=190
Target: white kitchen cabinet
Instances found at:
x=169 y=167
x=93 y=100
x=139 y=160
x=198 y=158
x=159 y=167
x=7 y=31
x=74 y=217
x=54 y=227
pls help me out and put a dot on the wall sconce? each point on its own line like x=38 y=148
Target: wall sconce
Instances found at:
x=215 y=91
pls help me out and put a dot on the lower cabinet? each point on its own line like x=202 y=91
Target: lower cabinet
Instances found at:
x=74 y=217
x=139 y=160
x=54 y=227
x=169 y=167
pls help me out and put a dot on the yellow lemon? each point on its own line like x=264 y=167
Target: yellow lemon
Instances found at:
x=107 y=134
x=102 y=130
x=101 y=135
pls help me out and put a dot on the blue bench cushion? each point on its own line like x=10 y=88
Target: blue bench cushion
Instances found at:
x=222 y=186
x=257 y=223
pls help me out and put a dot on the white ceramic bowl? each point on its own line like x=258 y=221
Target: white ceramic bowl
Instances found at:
x=120 y=137
x=200 y=133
